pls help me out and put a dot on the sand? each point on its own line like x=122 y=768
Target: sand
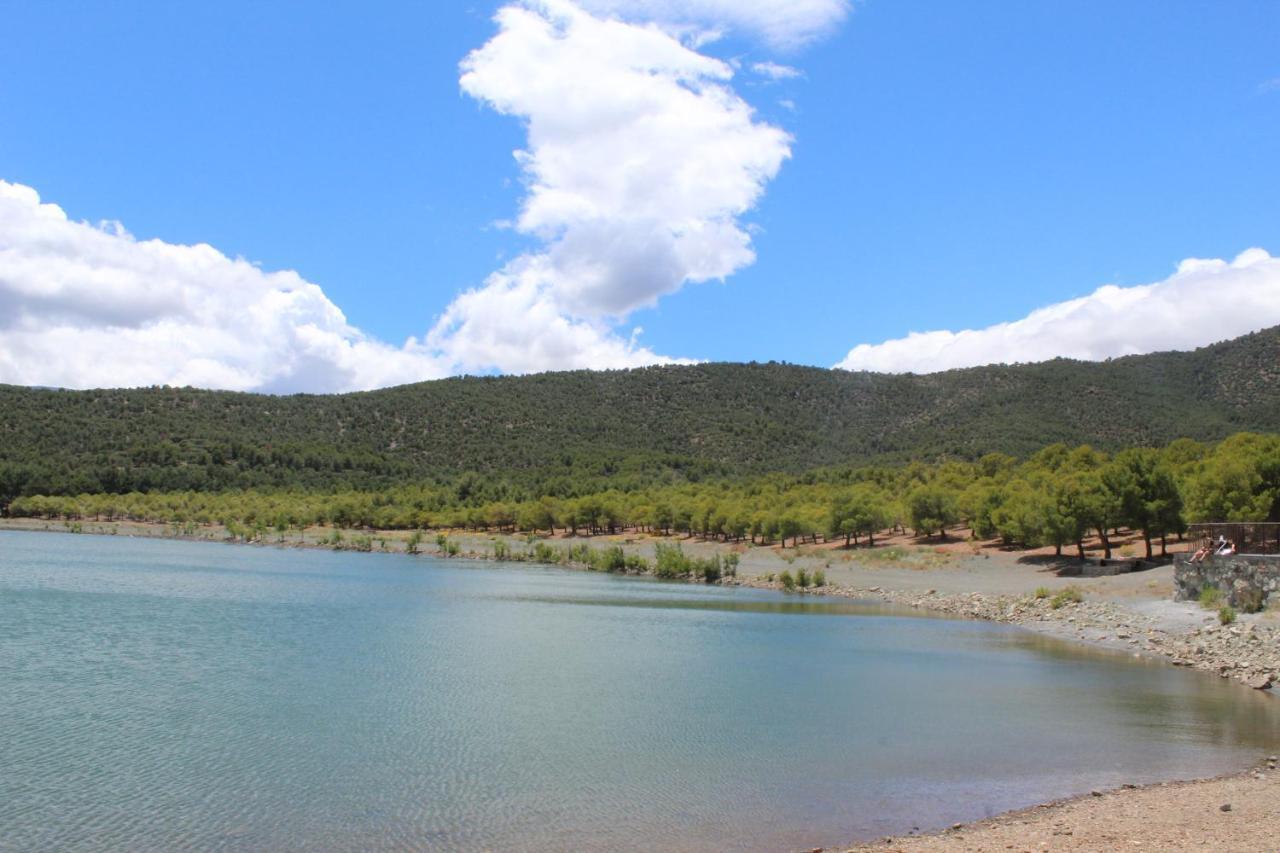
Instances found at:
x=1167 y=817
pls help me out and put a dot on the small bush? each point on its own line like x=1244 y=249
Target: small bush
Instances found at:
x=788 y=582
x=1226 y=614
x=1210 y=597
x=731 y=565
x=819 y=578
x=669 y=561
x=802 y=578
x=1042 y=592
x=1069 y=595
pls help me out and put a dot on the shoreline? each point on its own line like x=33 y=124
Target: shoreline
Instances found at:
x=1236 y=811
x=1145 y=626
x=1153 y=626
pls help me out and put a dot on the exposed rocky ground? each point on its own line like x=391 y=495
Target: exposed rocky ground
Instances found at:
x=1248 y=651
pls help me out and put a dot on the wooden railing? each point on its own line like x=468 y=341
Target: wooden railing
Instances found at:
x=1249 y=537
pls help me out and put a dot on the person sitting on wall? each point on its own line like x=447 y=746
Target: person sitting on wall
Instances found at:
x=1207 y=548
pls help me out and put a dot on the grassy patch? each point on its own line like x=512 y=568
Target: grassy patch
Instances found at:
x=1069 y=595
x=1210 y=597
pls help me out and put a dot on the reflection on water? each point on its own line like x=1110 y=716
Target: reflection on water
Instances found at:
x=797 y=606
x=163 y=695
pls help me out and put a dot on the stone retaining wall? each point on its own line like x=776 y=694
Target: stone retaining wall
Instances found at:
x=1232 y=575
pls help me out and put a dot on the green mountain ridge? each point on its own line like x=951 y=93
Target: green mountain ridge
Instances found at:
x=654 y=424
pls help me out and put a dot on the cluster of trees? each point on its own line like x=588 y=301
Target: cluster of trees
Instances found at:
x=1058 y=496
x=574 y=434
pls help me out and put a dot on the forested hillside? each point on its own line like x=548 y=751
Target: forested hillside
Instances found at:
x=562 y=433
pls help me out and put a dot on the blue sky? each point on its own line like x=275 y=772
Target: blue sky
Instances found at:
x=950 y=166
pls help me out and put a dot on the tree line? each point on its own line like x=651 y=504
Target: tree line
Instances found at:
x=1058 y=496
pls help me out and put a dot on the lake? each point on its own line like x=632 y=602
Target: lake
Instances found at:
x=160 y=695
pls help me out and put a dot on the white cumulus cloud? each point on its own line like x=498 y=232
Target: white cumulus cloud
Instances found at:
x=90 y=306
x=786 y=24
x=639 y=165
x=1205 y=301
x=640 y=160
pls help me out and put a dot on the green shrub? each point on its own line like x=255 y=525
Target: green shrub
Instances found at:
x=412 y=543
x=731 y=565
x=544 y=553
x=1210 y=597
x=788 y=582
x=1068 y=595
x=670 y=561
x=802 y=578
x=1042 y=592
x=1226 y=614
x=819 y=578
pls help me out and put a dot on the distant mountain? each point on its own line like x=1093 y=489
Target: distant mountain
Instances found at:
x=562 y=431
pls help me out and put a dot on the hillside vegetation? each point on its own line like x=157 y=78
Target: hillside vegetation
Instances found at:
x=576 y=432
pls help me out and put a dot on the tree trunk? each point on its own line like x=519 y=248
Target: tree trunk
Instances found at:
x=1147 y=538
x=1163 y=543
x=1106 y=543
x=871 y=540
x=1057 y=549
x=1080 y=548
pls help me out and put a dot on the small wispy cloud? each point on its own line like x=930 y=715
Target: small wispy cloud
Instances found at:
x=775 y=71
x=1266 y=87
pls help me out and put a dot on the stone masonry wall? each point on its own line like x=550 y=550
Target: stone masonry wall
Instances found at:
x=1232 y=575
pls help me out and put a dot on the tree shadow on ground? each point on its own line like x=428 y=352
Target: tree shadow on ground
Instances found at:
x=1071 y=566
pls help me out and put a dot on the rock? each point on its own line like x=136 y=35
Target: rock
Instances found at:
x=1225 y=807
x=1260 y=682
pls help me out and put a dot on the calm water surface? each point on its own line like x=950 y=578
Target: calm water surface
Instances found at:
x=166 y=695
